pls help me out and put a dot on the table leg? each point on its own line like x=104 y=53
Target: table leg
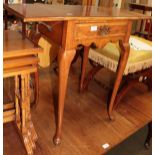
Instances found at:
x=65 y=58
x=120 y=70
x=24 y=129
x=27 y=130
x=84 y=64
x=36 y=89
x=17 y=96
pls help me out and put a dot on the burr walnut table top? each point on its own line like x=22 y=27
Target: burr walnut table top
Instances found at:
x=46 y=12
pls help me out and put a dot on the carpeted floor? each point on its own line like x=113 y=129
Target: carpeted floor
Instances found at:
x=134 y=145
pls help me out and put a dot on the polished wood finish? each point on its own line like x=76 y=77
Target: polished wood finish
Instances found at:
x=13 y=44
x=20 y=66
x=120 y=71
x=72 y=18
x=88 y=2
x=53 y=32
x=107 y=29
x=19 y=62
x=8 y=106
x=65 y=58
x=86 y=125
x=107 y=3
x=47 y=12
x=125 y=48
x=12 y=49
x=12 y=72
x=8 y=112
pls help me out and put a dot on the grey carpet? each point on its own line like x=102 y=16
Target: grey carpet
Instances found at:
x=134 y=145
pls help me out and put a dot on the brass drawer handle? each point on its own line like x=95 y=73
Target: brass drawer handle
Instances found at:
x=103 y=30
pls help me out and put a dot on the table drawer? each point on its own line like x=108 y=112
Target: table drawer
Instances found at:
x=102 y=29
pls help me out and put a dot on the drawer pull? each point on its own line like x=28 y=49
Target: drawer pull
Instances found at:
x=103 y=30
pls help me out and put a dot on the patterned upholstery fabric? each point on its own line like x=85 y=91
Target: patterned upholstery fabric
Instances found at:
x=140 y=56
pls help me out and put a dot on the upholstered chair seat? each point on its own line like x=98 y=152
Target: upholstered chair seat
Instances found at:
x=140 y=56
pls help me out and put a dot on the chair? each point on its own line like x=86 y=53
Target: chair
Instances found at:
x=138 y=68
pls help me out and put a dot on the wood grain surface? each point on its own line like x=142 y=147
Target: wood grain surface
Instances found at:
x=86 y=124
x=47 y=12
x=13 y=43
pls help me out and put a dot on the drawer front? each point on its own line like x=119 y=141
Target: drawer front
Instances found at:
x=100 y=29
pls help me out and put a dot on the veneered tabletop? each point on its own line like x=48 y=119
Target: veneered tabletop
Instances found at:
x=47 y=12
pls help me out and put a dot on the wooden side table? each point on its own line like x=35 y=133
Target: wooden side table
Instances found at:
x=81 y=25
x=19 y=61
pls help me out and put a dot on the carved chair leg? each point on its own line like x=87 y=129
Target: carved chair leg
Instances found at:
x=78 y=54
x=131 y=80
x=95 y=69
x=147 y=78
x=150 y=84
x=76 y=57
x=149 y=136
x=128 y=84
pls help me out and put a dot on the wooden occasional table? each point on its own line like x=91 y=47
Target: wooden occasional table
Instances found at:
x=74 y=25
x=19 y=61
